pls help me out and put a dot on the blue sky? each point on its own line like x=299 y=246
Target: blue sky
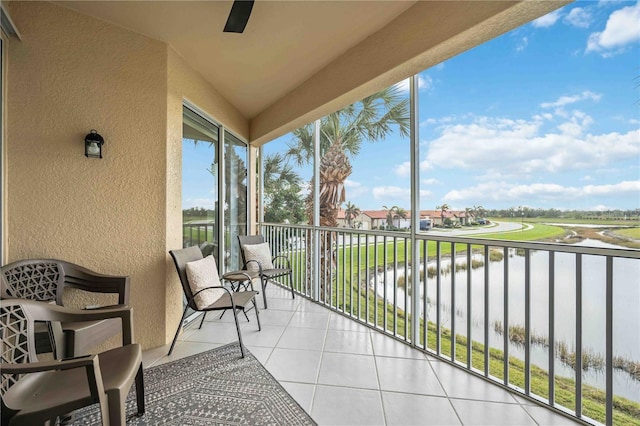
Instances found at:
x=547 y=115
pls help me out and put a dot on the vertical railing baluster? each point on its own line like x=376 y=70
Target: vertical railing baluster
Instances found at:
x=375 y=281
x=366 y=277
x=552 y=328
x=527 y=321
x=395 y=286
x=469 y=311
x=609 y=342
x=425 y=300
x=453 y=302
x=359 y=276
x=351 y=273
x=505 y=315
x=438 y=298
x=578 y=372
x=344 y=270
x=385 y=259
x=407 y=283
x=486 y=310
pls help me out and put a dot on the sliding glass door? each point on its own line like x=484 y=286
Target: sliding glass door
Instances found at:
x=214 y=204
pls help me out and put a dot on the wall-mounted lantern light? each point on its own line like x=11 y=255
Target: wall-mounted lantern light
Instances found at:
x=93 y=145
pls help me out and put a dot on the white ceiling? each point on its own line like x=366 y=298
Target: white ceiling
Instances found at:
x=284 y=43
x=298 y=60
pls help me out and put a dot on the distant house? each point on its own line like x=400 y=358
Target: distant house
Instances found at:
x=377 y=219
x=437 y=217
x=362 y=221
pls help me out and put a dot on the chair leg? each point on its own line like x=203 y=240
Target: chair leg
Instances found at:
x=235 y=316
x=255 y=307
x=140 y=391
x=293 y=294
x=184 y=313
x=245 y=315
x=204 y=315
x=264 y=288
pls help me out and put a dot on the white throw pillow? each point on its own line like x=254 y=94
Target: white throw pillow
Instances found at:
x=260 y=253
x=204 y=273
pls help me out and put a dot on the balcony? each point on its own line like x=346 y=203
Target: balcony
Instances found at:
x=343 y=372
x=357 y=331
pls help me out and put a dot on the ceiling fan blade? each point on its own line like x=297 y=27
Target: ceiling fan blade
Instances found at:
x=239 y=16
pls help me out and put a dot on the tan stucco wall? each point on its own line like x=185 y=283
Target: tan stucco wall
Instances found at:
x=119 y=215
x=186 y=84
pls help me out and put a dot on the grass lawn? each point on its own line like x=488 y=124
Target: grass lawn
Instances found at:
x=629 y=233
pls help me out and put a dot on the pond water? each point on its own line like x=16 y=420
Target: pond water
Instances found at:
x=626 y=313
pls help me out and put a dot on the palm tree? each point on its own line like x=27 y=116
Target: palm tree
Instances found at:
x=400 y=214
x=350 y=213
x=341 y=136
x=282 y=186
x=478 y=211
x=443 y=208
x=391 y=212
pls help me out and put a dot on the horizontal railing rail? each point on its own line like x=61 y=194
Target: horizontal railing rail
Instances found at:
x=534 y=317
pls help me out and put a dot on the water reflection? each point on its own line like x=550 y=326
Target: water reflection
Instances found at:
x=626 y=315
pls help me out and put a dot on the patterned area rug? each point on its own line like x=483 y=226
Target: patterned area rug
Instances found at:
x=214 y=387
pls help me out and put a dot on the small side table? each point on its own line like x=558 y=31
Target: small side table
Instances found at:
x=240 y=278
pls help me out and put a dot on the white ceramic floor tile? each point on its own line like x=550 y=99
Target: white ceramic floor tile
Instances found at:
x=357 y=371
x=262 y=354
x=491 y=413
x=408 y=375
x=268 y=336
x=310 y=319
x=341 y=322
x=301 y=392
x=407 y=409
x=544 y=416
x=302 y=338
x=279 y=304
x=387 y=346
x=460 y=384
x=293 y=365
x=347 y=406
x=213 y=332
x=350 y=342
x=274 y=317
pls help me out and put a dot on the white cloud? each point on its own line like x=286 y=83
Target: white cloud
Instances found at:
x=547 y=20
x=520 y=147
x=207 y=203
x=578 y=17
x=430 y=181
x=587 y=178
x=524 y=41
x=402 y=170
x=425 y=82
x=508 y=192
x=355 y=189
x=566 y=100
x=394 y=193
x=621 y=30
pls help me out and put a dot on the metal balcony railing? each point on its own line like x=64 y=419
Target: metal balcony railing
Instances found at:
x=553 y=322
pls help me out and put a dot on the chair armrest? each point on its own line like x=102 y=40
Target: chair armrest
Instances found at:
x=35 y=367
x=281 y=256
x=76 y=276
x=209 y=288
x=255 y=261
x=62 y=314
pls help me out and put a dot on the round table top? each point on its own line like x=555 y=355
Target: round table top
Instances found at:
x=239 y=275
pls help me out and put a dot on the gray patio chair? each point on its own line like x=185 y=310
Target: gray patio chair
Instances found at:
x=239 y=300
x=34 y=392
x=281 y=265
x=46 y=280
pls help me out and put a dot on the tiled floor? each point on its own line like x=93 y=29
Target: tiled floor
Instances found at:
x=344 y=373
